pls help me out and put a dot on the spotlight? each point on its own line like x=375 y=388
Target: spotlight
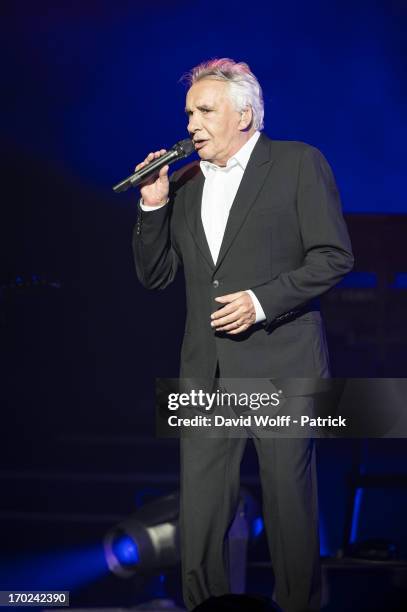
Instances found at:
x=126 y=551
x=146 y=541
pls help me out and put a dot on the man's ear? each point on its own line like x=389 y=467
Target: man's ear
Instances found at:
x=246 y=118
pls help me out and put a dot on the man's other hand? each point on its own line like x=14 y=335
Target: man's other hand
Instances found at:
x=237 y=314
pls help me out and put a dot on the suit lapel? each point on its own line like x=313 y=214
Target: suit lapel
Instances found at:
x=253 y=178
x=192 y=207
x=249 y=188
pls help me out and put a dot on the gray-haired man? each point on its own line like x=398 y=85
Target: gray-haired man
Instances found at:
x=258 y=228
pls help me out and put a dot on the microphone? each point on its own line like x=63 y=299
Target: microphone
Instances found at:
x=181 y=149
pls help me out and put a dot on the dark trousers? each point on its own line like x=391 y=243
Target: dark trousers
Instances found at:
x=210 y=483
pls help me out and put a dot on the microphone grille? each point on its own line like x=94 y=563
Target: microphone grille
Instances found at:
x=187 y=146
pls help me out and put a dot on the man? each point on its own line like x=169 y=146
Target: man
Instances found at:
x=258 y=228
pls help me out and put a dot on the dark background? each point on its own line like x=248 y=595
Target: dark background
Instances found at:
x=87 y=90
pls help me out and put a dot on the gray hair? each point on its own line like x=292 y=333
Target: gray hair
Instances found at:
x=245 y=89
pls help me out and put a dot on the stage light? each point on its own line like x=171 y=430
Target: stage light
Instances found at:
x=126 y=550
x=147 y=541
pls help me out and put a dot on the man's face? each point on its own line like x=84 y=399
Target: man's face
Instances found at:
x=216 y=128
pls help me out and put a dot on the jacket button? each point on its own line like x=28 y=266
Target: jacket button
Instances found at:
x=215 y=284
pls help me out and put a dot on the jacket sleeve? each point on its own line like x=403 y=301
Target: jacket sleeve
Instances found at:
x=325 y=240
x=155 y=257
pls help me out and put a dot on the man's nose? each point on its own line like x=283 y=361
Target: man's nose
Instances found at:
x=193 y=125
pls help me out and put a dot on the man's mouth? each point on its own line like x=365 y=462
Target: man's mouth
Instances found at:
x=199 y=143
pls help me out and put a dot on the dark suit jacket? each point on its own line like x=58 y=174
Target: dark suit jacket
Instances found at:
x=285 y=239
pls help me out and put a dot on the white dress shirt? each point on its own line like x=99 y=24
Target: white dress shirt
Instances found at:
x=220 y=188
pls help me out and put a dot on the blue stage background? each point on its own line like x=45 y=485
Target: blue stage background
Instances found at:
x=93 y=87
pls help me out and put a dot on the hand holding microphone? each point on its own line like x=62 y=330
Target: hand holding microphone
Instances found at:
x=152 y=173
x=155 y=188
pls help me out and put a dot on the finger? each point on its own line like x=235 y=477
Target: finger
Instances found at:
x=243 y=320
x=229 y=309
x=227 y=320
x=223 y=311
x=150 y=157
x=224 y=318
x=164 y=171
x=233 y=325
x=158 y=154
x=229 y=297
x=239 y=330
x=147 y=160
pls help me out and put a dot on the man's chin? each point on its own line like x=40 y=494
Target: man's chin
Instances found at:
x=204 y=155
x=203 y=149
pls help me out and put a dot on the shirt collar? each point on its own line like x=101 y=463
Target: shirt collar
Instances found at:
x=240 y=158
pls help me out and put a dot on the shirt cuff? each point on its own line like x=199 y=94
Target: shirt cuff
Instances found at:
x=260 y=316
x=149 y=208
